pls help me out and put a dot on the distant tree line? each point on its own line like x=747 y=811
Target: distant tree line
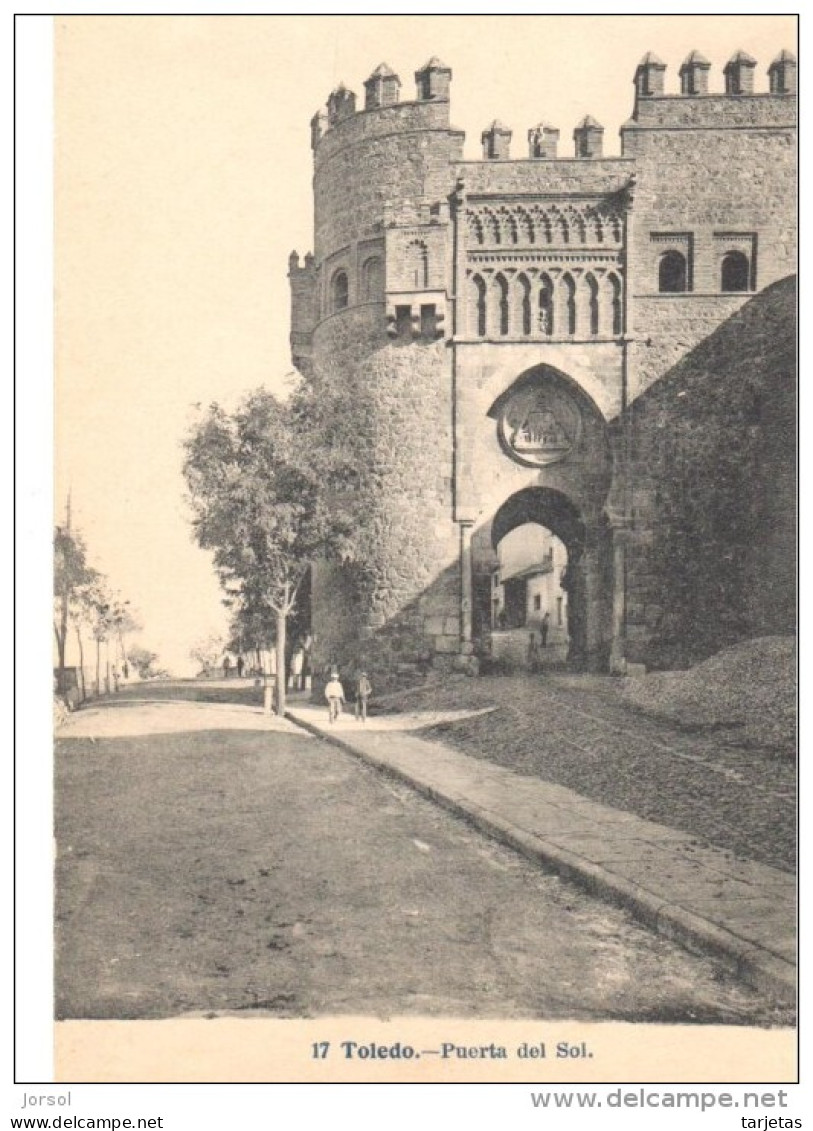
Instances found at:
x=88 y=609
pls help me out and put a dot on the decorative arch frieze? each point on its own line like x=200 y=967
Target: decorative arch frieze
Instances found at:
x=491 y=227
x=525 y=225
x=539 y=224
x=474 y=225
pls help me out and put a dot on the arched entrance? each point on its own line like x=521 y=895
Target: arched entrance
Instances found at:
x=581 y=579
x=546 y=460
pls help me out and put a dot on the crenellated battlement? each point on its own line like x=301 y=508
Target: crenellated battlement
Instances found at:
x=340 y=123
x=382 y=92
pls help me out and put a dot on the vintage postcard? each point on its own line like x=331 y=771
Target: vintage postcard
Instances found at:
x=424 y=605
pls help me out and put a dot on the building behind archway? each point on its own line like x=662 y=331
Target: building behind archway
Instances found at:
x=517 y=335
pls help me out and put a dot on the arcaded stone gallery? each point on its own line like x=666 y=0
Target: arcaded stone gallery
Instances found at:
x=603 y=347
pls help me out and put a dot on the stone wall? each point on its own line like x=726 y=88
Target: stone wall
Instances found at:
x=396 y=400
x=578 y=176
x=378 y=161
x=718 y=173
x=711 y=558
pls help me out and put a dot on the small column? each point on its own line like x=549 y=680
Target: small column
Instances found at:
x=319 y=125
x=461 y=294
x=782 y=73
x=649 y=76
x=694 y=74
x=739 y=73
x=542 y=142
x=496 y=141
x=433 y=80
x=381 y=88
x=341 y=104
x=588 y=137
x=466 y=586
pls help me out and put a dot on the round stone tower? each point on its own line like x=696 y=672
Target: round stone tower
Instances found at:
x=369 y=322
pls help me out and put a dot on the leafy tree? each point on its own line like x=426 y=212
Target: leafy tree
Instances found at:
x=123 y=622
x=207 y=652
x=72 y=579
x=84 y=600
x=99 y=602
x=144 y=662
x=263 y=504
x=82 y=616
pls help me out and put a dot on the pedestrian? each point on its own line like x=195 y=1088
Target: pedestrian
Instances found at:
x=240 y=666
x=226 y=667
x=544 y=628
x=364 y=690
x=125 y=667
x=334 y=693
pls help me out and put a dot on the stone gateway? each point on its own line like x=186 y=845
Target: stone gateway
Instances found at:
x=600 y=345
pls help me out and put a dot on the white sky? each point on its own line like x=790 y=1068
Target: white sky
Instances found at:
x=183 y=163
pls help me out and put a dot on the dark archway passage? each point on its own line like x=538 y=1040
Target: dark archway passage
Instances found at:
x=554 y=511
x=546 y=507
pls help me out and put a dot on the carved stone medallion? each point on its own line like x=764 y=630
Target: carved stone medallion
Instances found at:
x=539 y=426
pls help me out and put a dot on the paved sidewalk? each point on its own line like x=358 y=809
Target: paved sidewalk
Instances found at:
x=741 y=911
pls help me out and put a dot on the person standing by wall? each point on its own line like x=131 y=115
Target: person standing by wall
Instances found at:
x=334 y=693
x=364 y=690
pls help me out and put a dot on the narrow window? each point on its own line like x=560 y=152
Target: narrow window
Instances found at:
x=372 y=275
x=429 y=322
x=339 y=291
x=570 y=303
x=525 y=304
x=734 y=275
x=502 y=292
x=403 y=322
x=559 y=619
x=479 y=290
x=592 y=292
x=615 y=293
x=672 y=274
x=537 y=603
x=546 y=306
x=418 y=264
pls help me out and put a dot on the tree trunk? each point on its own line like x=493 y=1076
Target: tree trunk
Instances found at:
x=62 y=635
x=60 y=664
x=281 y=628
x=98 y=667
x=81 y=662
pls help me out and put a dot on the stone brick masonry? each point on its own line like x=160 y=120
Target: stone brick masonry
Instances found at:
x=641 y=303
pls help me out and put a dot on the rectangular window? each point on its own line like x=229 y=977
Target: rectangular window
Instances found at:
x=403 y=322
x=559 y=619
x=537 y=603
x=428 y=322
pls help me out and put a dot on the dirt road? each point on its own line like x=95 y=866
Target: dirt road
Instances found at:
x=211 y=861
